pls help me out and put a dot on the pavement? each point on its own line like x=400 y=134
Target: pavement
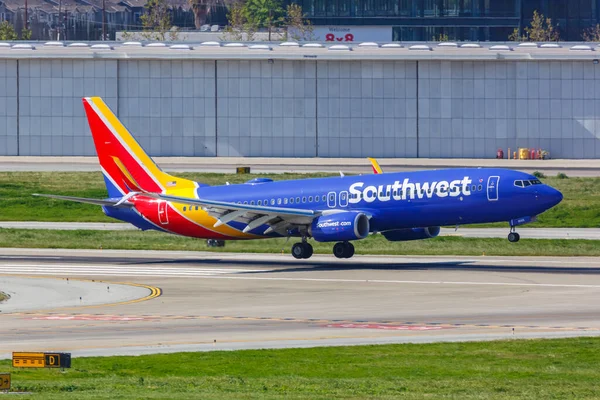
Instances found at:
x=526 y=233
x=586 y=168
x=214 y=301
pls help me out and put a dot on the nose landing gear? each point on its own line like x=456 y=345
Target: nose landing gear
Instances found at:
x=343 y=250
x=513 y=236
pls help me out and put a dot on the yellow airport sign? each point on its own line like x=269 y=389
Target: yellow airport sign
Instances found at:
x=4 y=381
x=28 y=360
x=41 y=360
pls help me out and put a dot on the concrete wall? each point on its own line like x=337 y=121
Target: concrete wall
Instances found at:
x=306 y=108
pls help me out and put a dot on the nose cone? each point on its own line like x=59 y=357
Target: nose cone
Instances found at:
x=550 y=197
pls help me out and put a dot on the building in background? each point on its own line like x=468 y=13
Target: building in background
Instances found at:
x=464 y=20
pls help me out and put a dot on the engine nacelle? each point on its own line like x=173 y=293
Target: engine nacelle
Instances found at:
x=401 y=235
x=340 y=227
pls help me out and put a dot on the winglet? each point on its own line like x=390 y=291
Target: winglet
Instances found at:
x=375 y=165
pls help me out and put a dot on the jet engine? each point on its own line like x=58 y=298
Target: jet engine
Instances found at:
x=400 y=235
x=340 y=227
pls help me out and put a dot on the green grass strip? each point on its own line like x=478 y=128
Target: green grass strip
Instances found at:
x=580 y=207
x=520 y=369
x=447 y=245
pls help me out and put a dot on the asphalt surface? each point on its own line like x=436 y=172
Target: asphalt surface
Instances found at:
x=231 y=301
x=587 y=168
x=526 y=233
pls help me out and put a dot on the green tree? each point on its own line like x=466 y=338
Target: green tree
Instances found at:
x=298 y=27
x=238 y=24
x=592 y=34
x=156 y=20
x=7 y=31
x=539 y=30
x=264 y=14
x=26 y=34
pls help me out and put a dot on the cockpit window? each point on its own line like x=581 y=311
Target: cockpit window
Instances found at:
x=527 y=183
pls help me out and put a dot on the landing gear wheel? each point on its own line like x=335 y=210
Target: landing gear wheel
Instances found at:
x=302 y=250
x=349 y=250
x=339 y=250
x=343 y=250
x=514 y=237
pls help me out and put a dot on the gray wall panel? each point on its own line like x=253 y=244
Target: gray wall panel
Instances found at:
x=51 y=116
x=8 y=108
x=306 y=108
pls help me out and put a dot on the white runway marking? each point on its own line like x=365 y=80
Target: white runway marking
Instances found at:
x=218 y=273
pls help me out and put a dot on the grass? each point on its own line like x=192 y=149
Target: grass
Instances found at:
x=3 y=296
x=580 y=207
x=524 y=369
x=447 y=245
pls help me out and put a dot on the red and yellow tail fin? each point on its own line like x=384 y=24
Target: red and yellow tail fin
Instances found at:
x=125 y=165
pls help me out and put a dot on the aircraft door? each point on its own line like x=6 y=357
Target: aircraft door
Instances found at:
x=331 y=199
x=343 y=199
x=492 y=188
x=163 y=218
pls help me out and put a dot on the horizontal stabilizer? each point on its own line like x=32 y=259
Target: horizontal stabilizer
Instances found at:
x=98 y=202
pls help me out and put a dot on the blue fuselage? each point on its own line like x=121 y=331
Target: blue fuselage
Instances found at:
x=404 y=199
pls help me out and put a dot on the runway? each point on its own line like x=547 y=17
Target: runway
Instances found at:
x=526 y=233
x=235 y=301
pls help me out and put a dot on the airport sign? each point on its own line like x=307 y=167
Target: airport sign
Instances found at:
x=4 y=381
x=41 y=360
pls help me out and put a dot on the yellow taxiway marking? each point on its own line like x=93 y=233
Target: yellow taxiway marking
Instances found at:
x=154 y=291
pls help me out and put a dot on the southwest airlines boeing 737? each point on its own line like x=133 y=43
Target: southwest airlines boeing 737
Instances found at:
x=400 y=206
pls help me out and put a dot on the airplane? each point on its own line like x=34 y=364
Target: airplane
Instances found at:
x=400 y=206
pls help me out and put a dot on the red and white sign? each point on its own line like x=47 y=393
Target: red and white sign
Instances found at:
x=388 y=327
x=349 y=34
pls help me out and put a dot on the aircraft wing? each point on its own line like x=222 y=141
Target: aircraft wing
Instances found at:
x=279 y=219
x=97 y=202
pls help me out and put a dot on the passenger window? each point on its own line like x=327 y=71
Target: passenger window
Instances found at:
x=297 y=199
x=272 y=202
x=479 y=188
x=252 y=203
x=278 y=202
x=184 y=208
x=291 y=200
x=245 y=202
x=473 y=188
x=260 y=202
x=323 y=198
x=304 y=199
x=310 y=199
x=285 y=201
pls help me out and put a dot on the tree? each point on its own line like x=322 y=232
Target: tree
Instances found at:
x=539 y=30
x=7 y=31
x=201 y=9
x=264 y=14
x=237 y=23
x=26 y=34
x=157 y=20
x=592 y=34
x=299 y=28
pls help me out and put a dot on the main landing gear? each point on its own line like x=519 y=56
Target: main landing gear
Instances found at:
x=513 y=236
x=302 y=250
x=343 y=250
